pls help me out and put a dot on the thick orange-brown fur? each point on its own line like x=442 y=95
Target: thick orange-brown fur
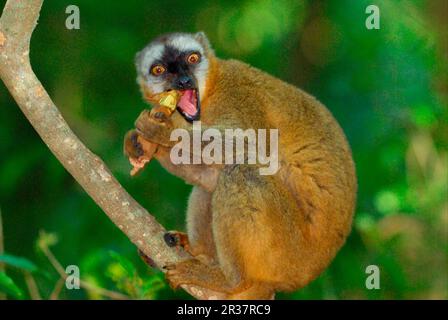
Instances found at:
x=253 y=235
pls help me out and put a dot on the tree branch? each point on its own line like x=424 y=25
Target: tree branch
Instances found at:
x=17 y=23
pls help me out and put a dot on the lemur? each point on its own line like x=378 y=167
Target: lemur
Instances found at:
x=250 y=235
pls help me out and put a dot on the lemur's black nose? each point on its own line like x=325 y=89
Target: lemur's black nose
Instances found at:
x=185 y=82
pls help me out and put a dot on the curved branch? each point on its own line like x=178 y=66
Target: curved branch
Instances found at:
x=17 y=23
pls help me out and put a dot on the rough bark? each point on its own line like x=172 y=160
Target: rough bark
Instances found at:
x=17 y=23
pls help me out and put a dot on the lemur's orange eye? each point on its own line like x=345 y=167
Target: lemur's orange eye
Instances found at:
x=194 y=58
x=158 y=70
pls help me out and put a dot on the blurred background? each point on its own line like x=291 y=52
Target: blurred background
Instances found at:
x=387 y=88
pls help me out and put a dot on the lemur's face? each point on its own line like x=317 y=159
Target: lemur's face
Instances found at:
x=175 y=61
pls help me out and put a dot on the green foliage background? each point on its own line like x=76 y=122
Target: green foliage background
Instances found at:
x=387 y=88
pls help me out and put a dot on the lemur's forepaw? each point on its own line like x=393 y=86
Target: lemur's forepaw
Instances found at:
x=177 y=239
x=160 y=114
x=132 y=148
x=154 y=127
x=156 y=117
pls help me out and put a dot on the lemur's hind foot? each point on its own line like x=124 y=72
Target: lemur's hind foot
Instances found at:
x=178 y=240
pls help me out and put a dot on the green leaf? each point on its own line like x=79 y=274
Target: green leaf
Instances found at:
x=46 y=239
x=387 y=202
x=151 y=286
x=125 y=263
x=8 y=286
x=18 y=262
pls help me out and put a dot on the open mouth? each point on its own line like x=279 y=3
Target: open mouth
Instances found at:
x=189 y=104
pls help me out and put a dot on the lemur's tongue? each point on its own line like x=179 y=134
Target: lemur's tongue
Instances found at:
x=188 y=102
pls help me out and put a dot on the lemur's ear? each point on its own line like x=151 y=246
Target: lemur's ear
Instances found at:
x=203 y=40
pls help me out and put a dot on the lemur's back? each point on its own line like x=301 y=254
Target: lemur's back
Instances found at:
x=308 y=133
x=316 y=165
